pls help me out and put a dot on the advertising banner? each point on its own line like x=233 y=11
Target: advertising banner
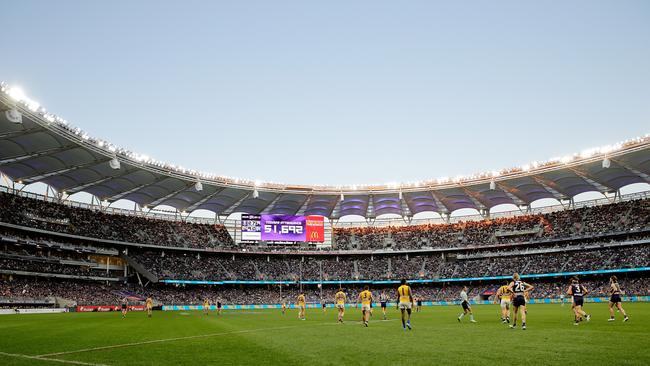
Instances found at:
x=33 y=311
x=104 y=308
x=315 y=229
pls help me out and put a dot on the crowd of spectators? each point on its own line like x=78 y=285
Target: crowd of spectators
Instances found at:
x=99 y=293
x=52 y=267
x=61 y=218
x=17 y=257
x=614 y=258
x=626 y=216
x=424 y=266
x=38 y=252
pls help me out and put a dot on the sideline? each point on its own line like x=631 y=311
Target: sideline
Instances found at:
x=47 y=359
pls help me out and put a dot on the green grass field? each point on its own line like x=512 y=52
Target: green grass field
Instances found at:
x=266 y=337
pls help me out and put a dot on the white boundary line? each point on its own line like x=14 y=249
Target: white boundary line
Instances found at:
x=167 y=340
x=18 y=355
x=42 y=357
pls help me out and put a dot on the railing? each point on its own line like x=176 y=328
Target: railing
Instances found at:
x=58 y=246
x=412 y=281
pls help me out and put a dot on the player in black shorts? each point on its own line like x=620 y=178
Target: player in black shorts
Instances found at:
x=578 y=292
x=418 y=305
x=383 y=299
x=219 y=307
x=518 y=287
x=615 y=300
x=467 y=309
x=125 y=307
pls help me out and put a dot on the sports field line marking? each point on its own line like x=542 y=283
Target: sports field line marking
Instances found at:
x=174 y=339
x=193 y=337
x=359 y=322
x=18 y=355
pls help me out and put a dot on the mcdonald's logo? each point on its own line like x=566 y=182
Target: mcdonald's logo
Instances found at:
x=314 y=229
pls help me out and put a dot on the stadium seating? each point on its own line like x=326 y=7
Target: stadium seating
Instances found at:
x=247 y=267
x=60 y=218
x=626 y=216
x=97 y=293
x=586 y=221
x=608 y=237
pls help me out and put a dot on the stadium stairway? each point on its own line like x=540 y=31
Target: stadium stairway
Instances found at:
x=140 y=268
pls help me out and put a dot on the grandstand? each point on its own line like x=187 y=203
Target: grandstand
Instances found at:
x=324 y=183
x=56 y=248
x=59 y=254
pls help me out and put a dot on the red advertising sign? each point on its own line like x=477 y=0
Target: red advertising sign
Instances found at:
x=315 y=229
x=104 y=308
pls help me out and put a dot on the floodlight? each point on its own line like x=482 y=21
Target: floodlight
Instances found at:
x=606 y=163
x=114 y=163
x=14 y=116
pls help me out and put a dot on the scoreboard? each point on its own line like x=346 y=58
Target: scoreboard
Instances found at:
x=284 y=228
x=250 y=227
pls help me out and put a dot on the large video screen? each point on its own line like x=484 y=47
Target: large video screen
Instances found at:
x=282 y=228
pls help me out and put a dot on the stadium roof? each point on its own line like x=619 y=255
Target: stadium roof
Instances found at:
x=36 y=146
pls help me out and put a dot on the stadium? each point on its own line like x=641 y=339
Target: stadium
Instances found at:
x=164 y=265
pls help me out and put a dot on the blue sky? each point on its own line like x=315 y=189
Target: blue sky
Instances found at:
x=338 y=92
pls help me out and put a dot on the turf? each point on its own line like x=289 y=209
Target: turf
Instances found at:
x=264 y=337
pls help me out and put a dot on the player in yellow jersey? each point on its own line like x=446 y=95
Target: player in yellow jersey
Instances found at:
x=339 y=300
x=365 y=298
x=504 y=297
x=527 y=298
x=206 y=306
x=284 y=306
x=149 y=304
x=301 y=305
x=405 y=303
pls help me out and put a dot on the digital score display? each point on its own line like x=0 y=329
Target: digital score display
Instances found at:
x=284 y=228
